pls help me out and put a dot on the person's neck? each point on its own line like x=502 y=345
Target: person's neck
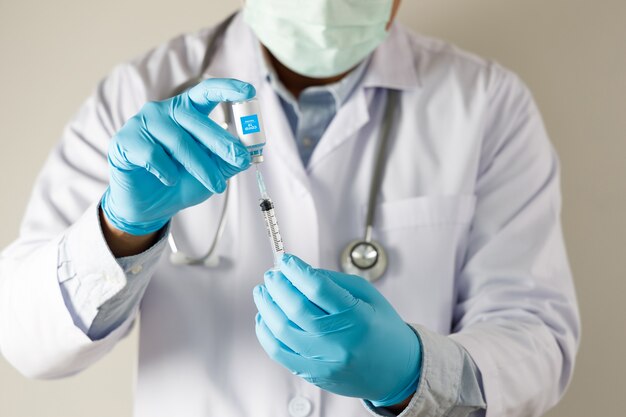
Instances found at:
x=295 y=82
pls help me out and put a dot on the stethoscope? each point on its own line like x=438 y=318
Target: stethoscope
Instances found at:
x=364 y=257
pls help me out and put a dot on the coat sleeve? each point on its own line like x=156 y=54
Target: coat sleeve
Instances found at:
x=60 y=238
x=516 y=312
x=37 y=333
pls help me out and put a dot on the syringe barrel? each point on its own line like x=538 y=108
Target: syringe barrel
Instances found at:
x=273 y=232
x=249 y=126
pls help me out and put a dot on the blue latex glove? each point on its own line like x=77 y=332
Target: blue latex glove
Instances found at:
x=171 y=156
x=338 y=332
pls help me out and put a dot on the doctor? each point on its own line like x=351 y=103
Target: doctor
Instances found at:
x=476 y=312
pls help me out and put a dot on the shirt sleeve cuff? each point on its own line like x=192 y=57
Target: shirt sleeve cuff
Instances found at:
x=139 y=270
x=449 y=383
x=88 y=273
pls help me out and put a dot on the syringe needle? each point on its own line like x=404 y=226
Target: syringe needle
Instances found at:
x=261 y=183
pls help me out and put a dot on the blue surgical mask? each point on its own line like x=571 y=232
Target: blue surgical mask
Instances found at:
x=319 y=38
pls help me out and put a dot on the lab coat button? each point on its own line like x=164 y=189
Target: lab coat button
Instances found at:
x=136 y=269
x=299 y=407
x=307 y=142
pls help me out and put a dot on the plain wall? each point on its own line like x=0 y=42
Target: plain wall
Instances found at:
x=572 y=54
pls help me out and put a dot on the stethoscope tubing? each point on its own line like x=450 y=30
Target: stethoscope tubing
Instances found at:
x=177 y=257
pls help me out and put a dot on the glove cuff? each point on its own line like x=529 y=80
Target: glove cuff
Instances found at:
x=137 y=229
x=415 y=367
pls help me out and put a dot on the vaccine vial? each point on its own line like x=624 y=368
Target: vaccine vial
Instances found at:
x=249 y=126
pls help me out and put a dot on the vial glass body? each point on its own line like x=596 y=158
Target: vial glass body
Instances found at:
x=249 y=127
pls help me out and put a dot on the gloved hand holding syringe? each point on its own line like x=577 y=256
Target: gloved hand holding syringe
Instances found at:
x=310 y=320
x=249 y=124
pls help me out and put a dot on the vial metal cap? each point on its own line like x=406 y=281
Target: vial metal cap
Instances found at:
x=257 y=159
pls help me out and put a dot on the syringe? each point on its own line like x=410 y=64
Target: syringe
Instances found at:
x=250 y=130
x=271 y=224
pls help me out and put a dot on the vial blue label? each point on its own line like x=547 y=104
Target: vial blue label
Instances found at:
x=250 y=124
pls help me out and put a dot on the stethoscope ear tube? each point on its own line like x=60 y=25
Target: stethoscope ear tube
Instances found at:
x=210 y=259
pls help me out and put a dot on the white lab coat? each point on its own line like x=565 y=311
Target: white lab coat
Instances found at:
x=469 y=214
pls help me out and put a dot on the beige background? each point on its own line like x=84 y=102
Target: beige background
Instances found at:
x=572 y=53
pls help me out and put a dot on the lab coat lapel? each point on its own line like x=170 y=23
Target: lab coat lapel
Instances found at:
x=350 y=118
x=237 y=56
x=390 y=67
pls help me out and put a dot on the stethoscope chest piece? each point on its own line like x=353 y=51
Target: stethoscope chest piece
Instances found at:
x=366 y=259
